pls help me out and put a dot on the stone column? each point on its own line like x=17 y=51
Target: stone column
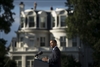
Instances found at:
x=23 y=61
x=67 y=42
x=24 y=23
x=56 y=22
x=58 y=42
x=59 y=18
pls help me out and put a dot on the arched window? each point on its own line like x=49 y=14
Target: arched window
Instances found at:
x=42 y=22
x=62 y=20
x=42 y=19
x=42 y=41
x=63 y=40
x=53 y=21
x=31 y=21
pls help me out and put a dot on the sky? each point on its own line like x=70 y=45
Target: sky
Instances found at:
x=41 y=5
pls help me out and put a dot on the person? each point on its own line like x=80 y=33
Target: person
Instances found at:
x=55 y=57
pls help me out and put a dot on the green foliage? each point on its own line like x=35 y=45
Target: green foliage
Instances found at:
x=6 y=20
x=96 y=56
x=69 y=61
x=85 y=22
x=2 y=48
x=6 y=15
x=9 y=63
x=4 y=60
x=3 y=52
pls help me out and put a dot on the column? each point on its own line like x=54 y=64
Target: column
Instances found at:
x=24 y=23
x=11 y=47
x=58 y=42
x=59 y=25
x=23 y=61
x=18 y=39
x=67 y=42
x=55 y=21
x=27 y=22
x=35 y=21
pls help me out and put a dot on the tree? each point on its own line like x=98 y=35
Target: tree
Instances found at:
x=6 y=20
x=85 y=23
x=9 y=62
x=4 y=60
x=69 y=61
x=2 y=52
x=6 y=15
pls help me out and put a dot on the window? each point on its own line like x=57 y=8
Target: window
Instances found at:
x=31 y=38
x=53 y=21
x=42 y=41
x=52 y=38
x=28 y=63
x=32 y=63
x=22 y=19
x=19 y=64
x=62 y=12
x=74 y=41
x=21 y=39
x=31 y=42
x=31 y=21
x=15 y=44
x=63 y=40
x=26 y=22
x=42 y=22
x=63 y=23
x=21 y=44
x=57 y=21
x=30 y=13
x=22 y=25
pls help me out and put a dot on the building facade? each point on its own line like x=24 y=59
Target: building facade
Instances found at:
x=37 y=28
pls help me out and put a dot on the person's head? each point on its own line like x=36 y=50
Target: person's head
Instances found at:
x=53 y=43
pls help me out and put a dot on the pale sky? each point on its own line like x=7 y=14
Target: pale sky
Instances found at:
x=41 y=5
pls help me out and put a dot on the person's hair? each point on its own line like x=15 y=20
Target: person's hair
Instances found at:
x=54 y=41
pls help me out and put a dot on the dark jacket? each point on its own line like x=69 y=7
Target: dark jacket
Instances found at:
x=55 y=58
